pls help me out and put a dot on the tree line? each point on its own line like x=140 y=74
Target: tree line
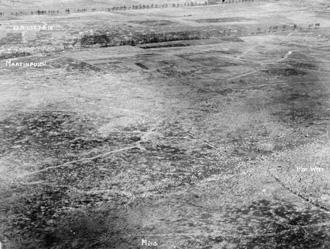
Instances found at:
x=121 y=8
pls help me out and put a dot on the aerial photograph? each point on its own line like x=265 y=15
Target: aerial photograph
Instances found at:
x=164 y=124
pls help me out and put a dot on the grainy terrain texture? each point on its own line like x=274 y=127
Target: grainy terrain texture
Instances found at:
x=186 y=127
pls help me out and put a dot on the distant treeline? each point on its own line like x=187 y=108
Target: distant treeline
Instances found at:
x=123 y=7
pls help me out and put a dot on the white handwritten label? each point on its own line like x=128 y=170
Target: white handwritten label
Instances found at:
x=148 y=243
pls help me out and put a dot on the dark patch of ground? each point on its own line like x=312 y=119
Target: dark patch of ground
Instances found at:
x=283 y=226
x=48 y=217
x=284 y=71
x=57 y=211
x=268 y=224
x=135 y=38
x=14 y=55
x=49 y=133
x=58 y=205
x=301 y=97
x=154 y=22
x=232 y=39
x=224 y=19
x=73 y=65
x=165 y=45
x=141 y=66
x=208 y=60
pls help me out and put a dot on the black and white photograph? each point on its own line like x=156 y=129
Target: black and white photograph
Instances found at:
x=164 y=124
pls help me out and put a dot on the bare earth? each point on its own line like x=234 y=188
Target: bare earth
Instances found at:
x=217 y=143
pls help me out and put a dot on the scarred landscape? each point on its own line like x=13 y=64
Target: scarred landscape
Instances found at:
x=191 y=125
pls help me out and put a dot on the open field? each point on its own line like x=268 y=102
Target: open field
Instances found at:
x=186 y=128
